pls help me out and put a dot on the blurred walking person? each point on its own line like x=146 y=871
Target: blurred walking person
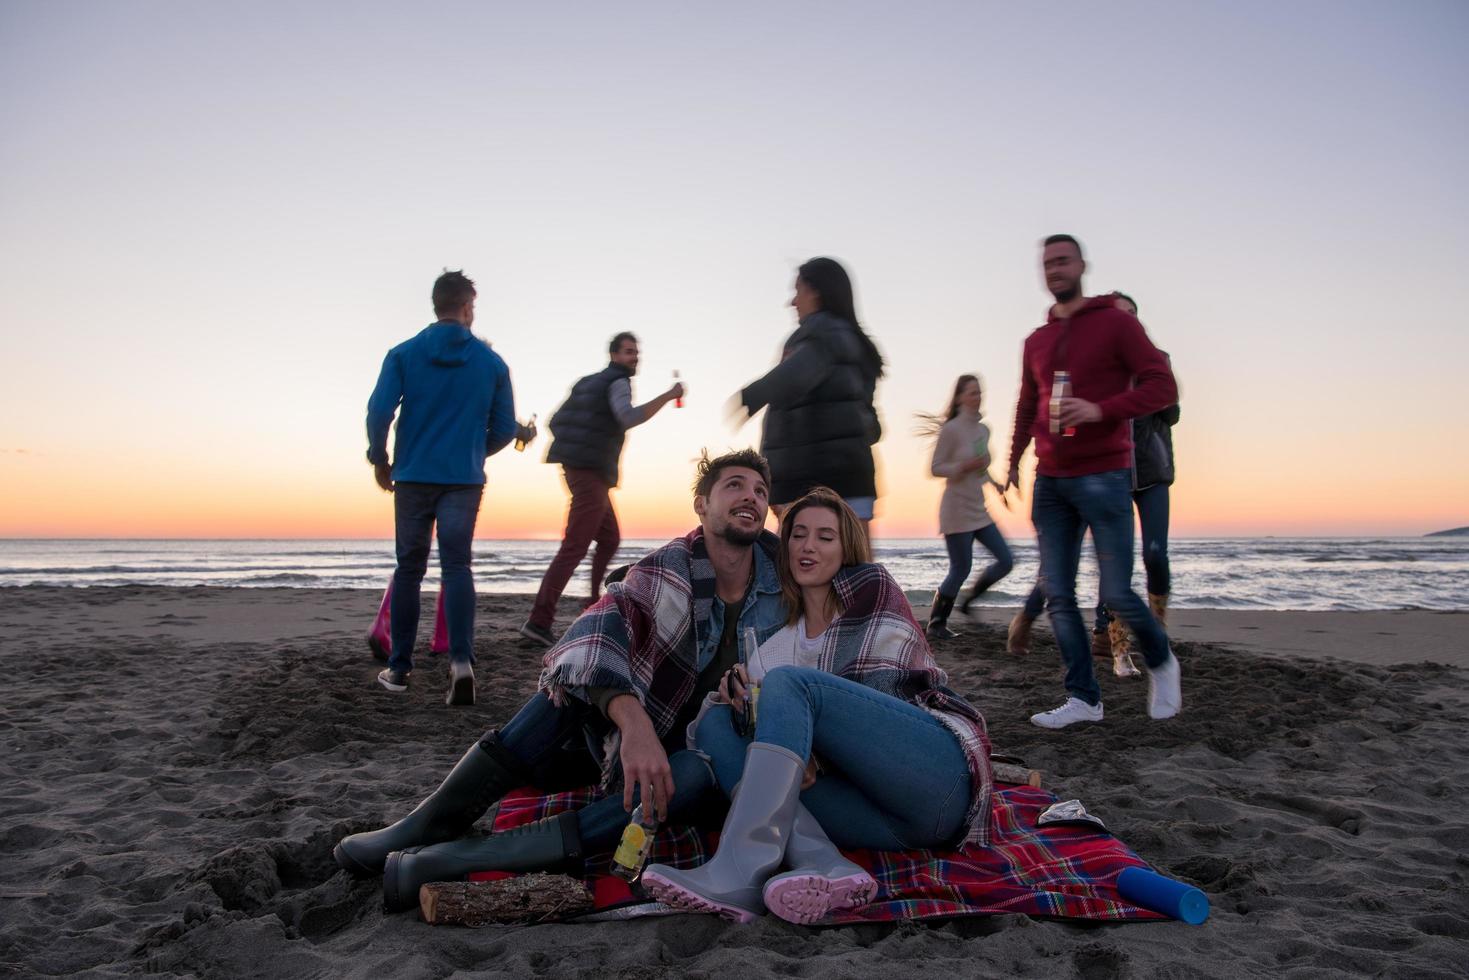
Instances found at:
x=820 y=423
x=452 y=396
x=587 y=433
x=1085 y=374
x=961 y=456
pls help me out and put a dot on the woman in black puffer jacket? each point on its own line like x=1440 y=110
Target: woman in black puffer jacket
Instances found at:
x=821 y=425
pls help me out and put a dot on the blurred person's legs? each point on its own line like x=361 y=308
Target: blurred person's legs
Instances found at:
x=1152 y=514
x=960 y=546
x=590 y=502
x=413 y=519
x=456 y=513
x=994 y=543
x=608 y=537
x=1105 y=503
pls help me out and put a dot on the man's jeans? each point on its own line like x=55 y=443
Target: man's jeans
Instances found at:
x=1152 y=517
x=894 y=777
x=544 y=736
x=1062 y=508
x=417 y=507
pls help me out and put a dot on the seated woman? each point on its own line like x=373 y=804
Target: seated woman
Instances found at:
x=857 y=740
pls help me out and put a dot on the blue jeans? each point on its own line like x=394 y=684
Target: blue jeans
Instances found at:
x=539 y=736
x=416 y=508
x=893 y=776
x=961 y=555
x=1061 y=509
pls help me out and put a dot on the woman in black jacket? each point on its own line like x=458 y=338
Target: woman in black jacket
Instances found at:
x=821 y=425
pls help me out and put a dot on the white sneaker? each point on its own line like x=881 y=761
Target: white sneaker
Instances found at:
x=1165 y=689
x=1074 y=710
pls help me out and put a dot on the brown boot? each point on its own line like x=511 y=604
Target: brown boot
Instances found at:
x=1158 y=606
x=1018 y=639
x=1121 y=644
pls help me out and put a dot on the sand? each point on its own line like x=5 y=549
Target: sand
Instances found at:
x=178 y=762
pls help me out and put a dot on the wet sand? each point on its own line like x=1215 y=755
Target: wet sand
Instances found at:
x=178 y=762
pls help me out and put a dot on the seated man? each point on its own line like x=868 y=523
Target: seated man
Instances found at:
x=634 y=669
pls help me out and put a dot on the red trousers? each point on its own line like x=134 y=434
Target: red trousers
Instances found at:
x=590 y=518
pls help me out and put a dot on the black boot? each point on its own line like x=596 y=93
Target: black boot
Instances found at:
x=938 y=618
x=487 y=772
x=552 y=844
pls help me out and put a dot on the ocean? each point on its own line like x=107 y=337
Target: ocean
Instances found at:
x=1208 y=573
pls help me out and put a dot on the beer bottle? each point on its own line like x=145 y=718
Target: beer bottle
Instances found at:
x=636 y=844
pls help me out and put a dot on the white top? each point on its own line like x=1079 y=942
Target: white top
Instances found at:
x=790 y=647
x=963 y=438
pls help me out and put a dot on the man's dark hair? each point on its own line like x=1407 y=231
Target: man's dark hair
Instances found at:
x=617 y=341
x=1122 y=295
x=709 y=469
x=1061 y=239
x=451 y=291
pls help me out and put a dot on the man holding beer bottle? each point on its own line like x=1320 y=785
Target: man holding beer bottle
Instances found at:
x=1084 y=375
x=586 y=439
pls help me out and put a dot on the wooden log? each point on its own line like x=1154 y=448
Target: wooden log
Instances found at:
x=521 y=900
x=1006 y=772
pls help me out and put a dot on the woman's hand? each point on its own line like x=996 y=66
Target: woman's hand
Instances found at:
x=734 y=686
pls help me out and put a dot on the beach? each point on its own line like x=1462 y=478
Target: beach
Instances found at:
x=178 y=763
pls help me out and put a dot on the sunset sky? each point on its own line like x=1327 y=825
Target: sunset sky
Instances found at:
x=216 y=219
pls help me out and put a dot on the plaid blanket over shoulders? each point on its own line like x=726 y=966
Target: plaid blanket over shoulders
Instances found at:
x=877 y=642
x=644 y=635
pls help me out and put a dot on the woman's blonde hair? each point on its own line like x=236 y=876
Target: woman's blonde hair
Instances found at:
x=856 y=549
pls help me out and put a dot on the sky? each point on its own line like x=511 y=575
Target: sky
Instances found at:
x=216 y=219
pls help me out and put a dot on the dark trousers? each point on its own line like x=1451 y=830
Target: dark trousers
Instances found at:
x=417 y=507
x=590 y=518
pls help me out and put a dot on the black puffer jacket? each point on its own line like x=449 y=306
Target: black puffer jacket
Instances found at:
x=1152 y=448
x=821 y=426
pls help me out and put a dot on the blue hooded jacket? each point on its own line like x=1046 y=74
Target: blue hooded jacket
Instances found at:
x=457 y=406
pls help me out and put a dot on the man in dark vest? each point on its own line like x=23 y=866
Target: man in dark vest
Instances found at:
x=586 y=439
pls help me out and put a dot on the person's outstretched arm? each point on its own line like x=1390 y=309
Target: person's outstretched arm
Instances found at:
x=628 y=415
x=644 y=762
x=803 y=369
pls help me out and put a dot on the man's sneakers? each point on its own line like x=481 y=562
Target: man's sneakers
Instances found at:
x=1073 y=711
x=394 y=680
x=1165 y=689
x=539 y=634
x=461 y=684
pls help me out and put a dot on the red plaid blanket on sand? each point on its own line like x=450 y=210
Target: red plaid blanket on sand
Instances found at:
x=1057 y=872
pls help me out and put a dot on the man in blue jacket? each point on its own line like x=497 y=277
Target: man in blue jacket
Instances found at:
x=456 y=409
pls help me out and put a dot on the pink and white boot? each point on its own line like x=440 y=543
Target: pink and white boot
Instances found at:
x=820 y=881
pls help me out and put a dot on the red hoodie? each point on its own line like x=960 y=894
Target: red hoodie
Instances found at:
x=1112 y=363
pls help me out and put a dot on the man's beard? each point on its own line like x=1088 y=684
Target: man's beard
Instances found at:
x=1068 y=294
x=738 y=536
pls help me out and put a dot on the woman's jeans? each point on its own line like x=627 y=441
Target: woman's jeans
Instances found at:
x=1061 y=509
x=961 y=555
x=417 y=507
x=550 y=740
x=893 y=777
x=1152 y=516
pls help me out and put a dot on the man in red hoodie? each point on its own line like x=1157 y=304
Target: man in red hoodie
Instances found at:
x=1084 y=376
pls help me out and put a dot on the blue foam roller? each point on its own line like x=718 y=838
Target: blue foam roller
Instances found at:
x=1164 y=895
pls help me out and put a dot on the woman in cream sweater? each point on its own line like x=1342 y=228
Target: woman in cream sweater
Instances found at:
x=961 y=455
